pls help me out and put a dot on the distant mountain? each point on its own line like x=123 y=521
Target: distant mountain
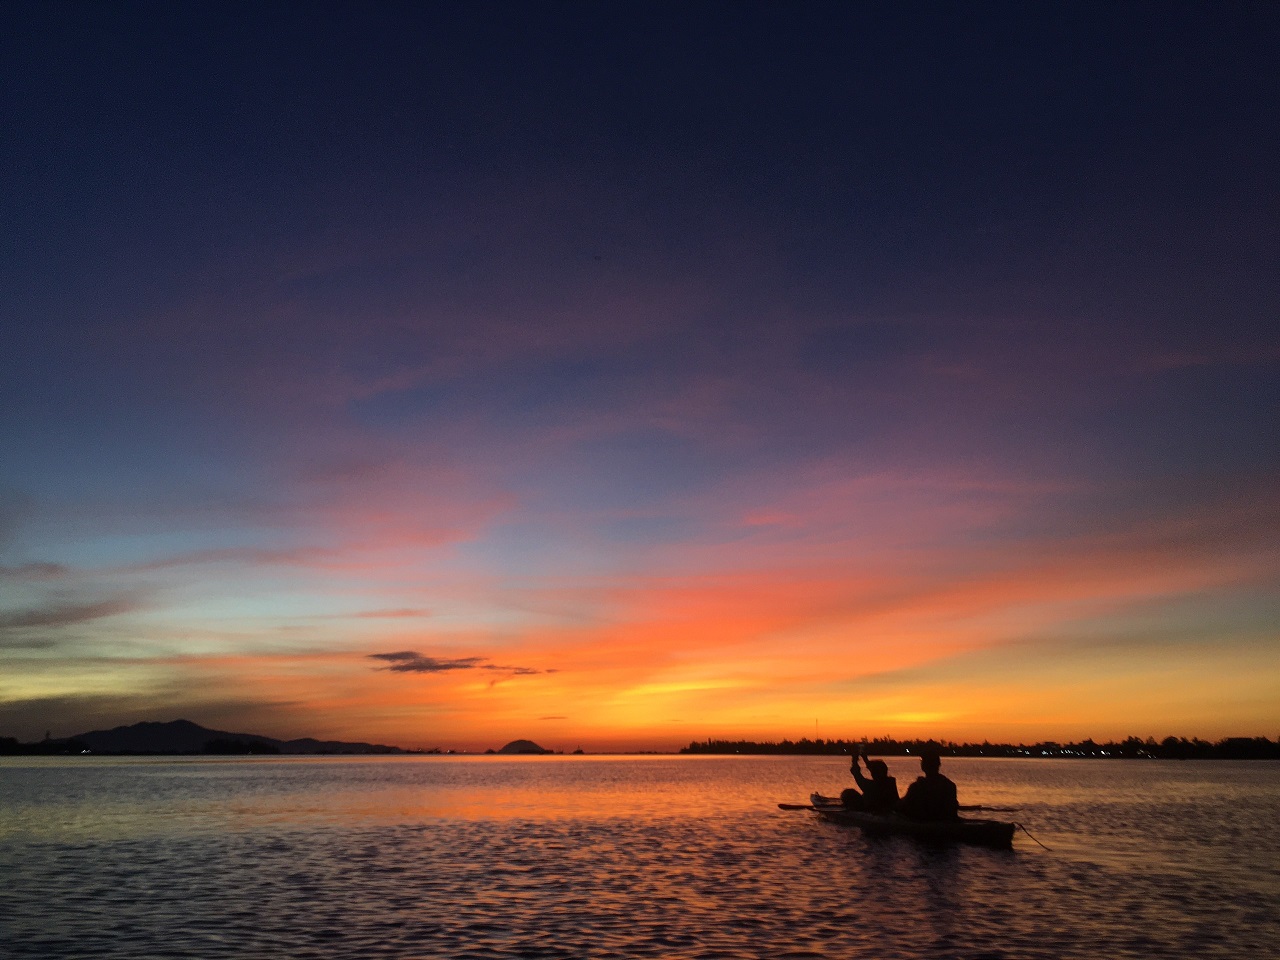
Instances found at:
x=524 y=746
x=183 y=736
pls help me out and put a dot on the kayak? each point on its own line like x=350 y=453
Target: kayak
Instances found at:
x=985 y=833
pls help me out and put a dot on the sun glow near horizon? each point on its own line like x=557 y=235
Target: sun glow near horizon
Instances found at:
x=1053 y=639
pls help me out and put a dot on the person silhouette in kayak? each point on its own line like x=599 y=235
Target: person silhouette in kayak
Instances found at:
x=933 y=796
x=879 y=791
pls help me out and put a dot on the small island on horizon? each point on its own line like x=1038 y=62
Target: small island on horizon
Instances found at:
x=522 y=748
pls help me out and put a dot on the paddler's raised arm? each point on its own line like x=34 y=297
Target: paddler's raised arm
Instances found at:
x=857 y=772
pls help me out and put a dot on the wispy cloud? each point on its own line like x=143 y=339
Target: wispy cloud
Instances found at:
x=410 y=661
x=32 y=571
x=26 y=643
x=248 y=556
x=63 y=615
x=400 y=613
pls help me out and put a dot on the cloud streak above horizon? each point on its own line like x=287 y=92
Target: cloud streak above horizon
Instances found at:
x=410 y=661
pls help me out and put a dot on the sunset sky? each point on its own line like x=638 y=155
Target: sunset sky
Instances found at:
x=618 y=375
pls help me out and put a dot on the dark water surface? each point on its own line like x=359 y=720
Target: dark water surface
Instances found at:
x=491 y=858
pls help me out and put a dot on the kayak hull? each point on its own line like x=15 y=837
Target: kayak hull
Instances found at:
x=984 y=833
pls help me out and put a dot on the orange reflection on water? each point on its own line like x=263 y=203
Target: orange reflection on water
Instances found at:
x=553 y=787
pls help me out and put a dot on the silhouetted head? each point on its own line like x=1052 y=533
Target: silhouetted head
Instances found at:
x=878 y=769
x=930 y=761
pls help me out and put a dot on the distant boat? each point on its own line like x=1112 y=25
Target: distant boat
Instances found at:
x=983 y=833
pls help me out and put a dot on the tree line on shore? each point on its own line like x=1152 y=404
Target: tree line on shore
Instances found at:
x=1170 y=748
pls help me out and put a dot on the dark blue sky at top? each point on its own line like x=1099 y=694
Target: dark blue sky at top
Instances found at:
x=206 y=200
x=843 y=120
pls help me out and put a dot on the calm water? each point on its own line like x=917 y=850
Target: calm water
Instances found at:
x=491 y=858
